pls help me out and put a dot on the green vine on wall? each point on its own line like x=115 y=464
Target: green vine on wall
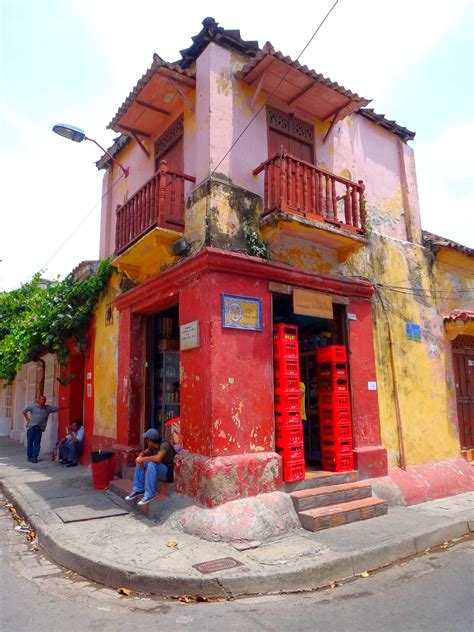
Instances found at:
x=34 y=321
x=256 y=246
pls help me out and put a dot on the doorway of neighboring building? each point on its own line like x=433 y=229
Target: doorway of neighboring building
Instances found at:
x=312 y=333
x=463 y=360
x=162 y=392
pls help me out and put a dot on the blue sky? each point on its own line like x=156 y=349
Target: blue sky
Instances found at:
x=75 y=61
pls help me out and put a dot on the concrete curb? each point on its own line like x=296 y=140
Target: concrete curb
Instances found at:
x=335 y=566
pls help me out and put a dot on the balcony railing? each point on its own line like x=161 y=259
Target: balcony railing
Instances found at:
x=159 y=202
x=302 y=188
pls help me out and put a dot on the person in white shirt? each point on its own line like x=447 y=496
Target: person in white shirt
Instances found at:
x=72 y=445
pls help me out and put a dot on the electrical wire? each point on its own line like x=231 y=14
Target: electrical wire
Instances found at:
x=83 y=220
x=273 y=91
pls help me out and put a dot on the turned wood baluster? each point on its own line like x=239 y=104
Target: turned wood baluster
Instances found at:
x=265 y=189
x=172 y=197
x=305 y=189
x=355 y=209
x=348 y=206
x=313 y=181
x=334 y=199
x=118 y=226
x=162 y=192
x=328 y=197
x=146 y=210
x=141 y=208
x=362 y=209
x=283 y=187
x=297 y=203
x=290 y=194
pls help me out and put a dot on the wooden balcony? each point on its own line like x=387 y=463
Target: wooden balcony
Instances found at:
x=300 y=188
x=159 y=202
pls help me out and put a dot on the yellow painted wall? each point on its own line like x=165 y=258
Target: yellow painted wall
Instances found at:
x=105 y=364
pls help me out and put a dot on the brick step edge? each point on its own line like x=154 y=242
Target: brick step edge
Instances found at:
x=344 y=513
x=322 y=478
x=330 y=495
x=123 y=486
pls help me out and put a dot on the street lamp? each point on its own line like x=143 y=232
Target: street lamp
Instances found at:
x=78 y=135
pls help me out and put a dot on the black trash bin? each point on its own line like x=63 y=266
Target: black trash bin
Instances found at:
x=103 y=468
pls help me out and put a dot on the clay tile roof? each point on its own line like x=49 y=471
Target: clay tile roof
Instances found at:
x=459 y=314
x=392 y=126
x=435 y=243
x=157 y=64
x=212 y=32
x=118 y=144
x=269 y=50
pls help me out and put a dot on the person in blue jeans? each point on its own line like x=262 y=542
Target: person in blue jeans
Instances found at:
x=72 y=445
x=36 y=417
x=154 y=463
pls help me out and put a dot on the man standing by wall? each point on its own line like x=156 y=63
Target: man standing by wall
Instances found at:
x=35 y=426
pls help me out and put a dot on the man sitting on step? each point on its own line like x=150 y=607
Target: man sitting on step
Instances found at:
x=154 y=463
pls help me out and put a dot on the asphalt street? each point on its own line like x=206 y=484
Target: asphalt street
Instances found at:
x=431 y=592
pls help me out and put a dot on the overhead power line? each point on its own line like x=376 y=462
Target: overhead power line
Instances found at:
x=273 y=91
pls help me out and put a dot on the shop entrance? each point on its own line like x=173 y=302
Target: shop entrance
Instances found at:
x=312 y=333
x=162 y=393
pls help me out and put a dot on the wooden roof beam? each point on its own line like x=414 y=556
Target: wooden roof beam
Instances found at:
x=133 y=130
x=155 y=108
x=181 y=94
x=301 y=93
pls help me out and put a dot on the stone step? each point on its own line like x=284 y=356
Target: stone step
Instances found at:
x=161 y=487
x=122 y=487
x=344 y=513
x=330 y=495
x=320 y=479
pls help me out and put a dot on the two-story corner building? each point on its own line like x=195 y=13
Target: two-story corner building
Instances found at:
x=232 y=146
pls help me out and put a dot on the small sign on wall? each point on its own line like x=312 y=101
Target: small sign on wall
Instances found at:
x=241 y=312
x=308 y=303
x=413 y=331
x=189 y=336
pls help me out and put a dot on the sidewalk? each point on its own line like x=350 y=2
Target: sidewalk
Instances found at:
x=97 y=535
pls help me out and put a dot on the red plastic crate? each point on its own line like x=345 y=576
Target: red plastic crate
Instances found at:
x=335 y=400
x=283 y=349
x=337 y=385
x=293 y=471
x=332 y=353
x=337 y=462
x=288 y=419
x=284 y=366
x=342 y=446
x=334 y=416
x=288 y=436
x=332 y=370
x=287 y=384
x=331 y=432
x=287 y=401
x=285 y=332
x=291 y=453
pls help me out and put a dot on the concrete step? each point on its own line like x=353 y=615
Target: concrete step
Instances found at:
x=343 y=513
x=122 y=487
x=161 y=487
x=330 y=495
x=320 y=479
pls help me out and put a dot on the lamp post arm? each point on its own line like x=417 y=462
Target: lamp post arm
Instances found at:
x=125 y=170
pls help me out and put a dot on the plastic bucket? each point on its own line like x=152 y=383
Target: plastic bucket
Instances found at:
x=103 y=468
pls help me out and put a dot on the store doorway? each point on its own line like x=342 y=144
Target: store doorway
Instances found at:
x=312 y=333
x=162 y=382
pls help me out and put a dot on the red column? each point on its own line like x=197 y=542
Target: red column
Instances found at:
x=129 y=386
x=226 y=397
x=370 y=456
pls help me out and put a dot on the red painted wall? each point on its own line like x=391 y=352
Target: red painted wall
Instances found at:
x=370 y=457
x=227 y=386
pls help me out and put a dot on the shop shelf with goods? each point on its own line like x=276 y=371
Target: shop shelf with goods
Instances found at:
x=167 y=386
x=311 y=424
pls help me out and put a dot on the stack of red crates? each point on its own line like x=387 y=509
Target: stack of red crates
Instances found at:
x=334 y=408
x=288 y=424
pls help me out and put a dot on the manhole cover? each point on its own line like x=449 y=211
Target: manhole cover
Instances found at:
x=213 y=566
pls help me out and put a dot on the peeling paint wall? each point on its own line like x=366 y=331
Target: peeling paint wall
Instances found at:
x=105 y=363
